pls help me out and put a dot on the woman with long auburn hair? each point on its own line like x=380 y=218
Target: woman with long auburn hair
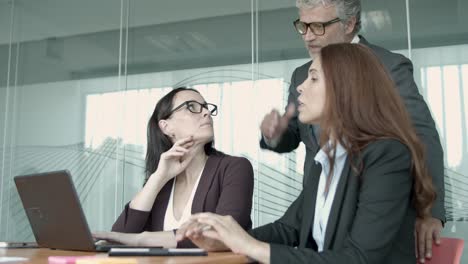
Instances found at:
x=367 y=186
x=362 y=108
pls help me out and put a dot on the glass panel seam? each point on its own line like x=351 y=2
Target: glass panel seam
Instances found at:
x=7 y=106
x=408 y=27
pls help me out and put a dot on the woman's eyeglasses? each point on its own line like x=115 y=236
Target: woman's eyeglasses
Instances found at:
x=196 y=107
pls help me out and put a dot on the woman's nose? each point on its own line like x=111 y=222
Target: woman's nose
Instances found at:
x=299 y=88
x=205 y=112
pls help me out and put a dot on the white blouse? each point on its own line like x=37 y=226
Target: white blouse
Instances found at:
x=324 y=203
x=170 y=222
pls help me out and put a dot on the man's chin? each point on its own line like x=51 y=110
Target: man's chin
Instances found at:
x=313 y=52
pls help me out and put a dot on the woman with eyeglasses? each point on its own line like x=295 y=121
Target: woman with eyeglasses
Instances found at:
x=184 y=175
x=367 y=185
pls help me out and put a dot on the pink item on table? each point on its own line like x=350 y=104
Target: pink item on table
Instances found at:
x=66 y=259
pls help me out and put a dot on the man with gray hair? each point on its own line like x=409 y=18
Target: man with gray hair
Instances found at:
x=323 y=22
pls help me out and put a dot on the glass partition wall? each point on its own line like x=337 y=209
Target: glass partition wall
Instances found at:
x=79 y=80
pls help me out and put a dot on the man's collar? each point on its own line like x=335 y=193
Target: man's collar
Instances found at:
x=356 y=39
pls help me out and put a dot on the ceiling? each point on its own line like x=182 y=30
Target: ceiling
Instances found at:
x=41 y=19
x=65 y=39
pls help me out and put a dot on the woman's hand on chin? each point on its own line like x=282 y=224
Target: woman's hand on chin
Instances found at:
x=176 y=159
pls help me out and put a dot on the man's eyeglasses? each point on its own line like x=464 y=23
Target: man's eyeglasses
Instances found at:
x=196 y=107
x=318 y=28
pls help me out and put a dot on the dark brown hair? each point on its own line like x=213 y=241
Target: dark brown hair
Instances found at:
x=158 y=142
x=362 y=105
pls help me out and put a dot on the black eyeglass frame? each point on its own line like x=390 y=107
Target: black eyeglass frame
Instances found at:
x=213 y=112
x=322 y=24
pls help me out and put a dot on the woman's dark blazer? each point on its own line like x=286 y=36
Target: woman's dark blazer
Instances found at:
x=225 y=188
x=371 y=219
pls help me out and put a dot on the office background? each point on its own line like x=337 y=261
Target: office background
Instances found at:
x=79 y=80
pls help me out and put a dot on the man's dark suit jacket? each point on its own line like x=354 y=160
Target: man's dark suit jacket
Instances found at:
x=225 y=188
x=371 y=218
x=401 y=71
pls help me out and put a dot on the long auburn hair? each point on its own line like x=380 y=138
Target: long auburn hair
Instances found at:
x=158 y=142
x=362 y=105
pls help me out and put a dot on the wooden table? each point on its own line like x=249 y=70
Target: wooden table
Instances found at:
x=40 y=256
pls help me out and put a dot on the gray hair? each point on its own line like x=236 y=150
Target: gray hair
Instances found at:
x=345 y=9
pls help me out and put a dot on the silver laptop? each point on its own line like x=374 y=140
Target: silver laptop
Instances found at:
x=54 y=212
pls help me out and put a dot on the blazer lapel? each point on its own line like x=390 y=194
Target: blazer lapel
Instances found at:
x=161 y=202
x=310 y=196
x=206 y=180
x=336 y=206
x=363 y=41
